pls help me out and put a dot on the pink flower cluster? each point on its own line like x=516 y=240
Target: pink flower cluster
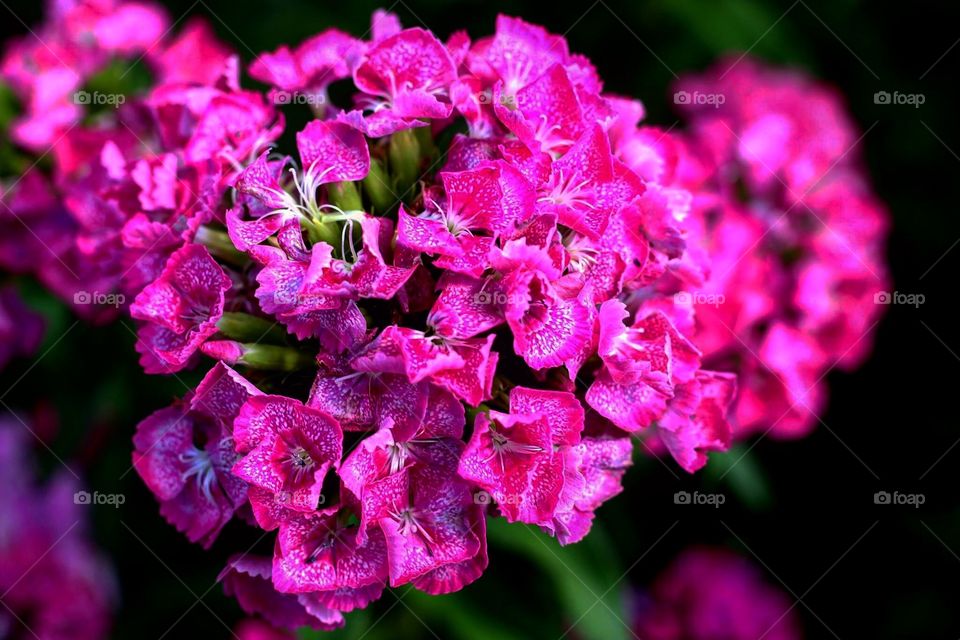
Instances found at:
x=130 y=183
x=487 y=325
x=47 y=67
x=487 y=270
x=711 y=593
x=55 y=584
x=795 y=236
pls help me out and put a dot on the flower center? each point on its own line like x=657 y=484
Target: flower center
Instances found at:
x=300 y=462
x=409 y=521
x=568 y=192
x=550 y=140
x=582 y=254
x=397 y=454
x=501 y=445
x=199 y=466
x=327 y=543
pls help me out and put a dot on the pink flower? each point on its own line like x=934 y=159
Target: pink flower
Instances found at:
x=712 y=593
x=406 y=77
x=319 y=556
x=439 y=421
x=696 y=419
x=524 y=458
x=465 y=367
x=601 y=460
x=180 y=309
x=430 y=521
x=184 y=453
x=287 y=448
x=642 y=366
x=78 y=40
x=311 y=66
x=194 y=56
x=51 y=575
x=248 y=579
x=490 y=198
x=256 y=629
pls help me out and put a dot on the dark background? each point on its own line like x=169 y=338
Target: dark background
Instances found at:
x=802 y=509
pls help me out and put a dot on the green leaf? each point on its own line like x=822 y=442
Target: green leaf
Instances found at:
x=585 y=575
x=741 y=471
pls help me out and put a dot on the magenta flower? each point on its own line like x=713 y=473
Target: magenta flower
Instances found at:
x=712 y=593
x=525 y=458
x=256 y=629
x=52 y=577
x=319 y=556
x=551 y=326
x=180 y=309
x=287 y=448
x=464 y=367
x=439 y=418
x=185 y=454
x=601 y=460
x=406 y=78
x=696 y=419
x=429 y=519
x=642 y=366
x=312 y=65
x=195 y=56
x=490 y=198
x=248 y=579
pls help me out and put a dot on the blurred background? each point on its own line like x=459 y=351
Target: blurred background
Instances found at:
x=803 y=511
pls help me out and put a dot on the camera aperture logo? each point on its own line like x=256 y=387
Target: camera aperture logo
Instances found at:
x=97 y=498
x=697 y=498
x=897 y=498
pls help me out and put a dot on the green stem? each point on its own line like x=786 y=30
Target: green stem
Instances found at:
x=273 y=358
x=376 y=186
x=345 y=195
x=220 y=245
x=248 y=328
